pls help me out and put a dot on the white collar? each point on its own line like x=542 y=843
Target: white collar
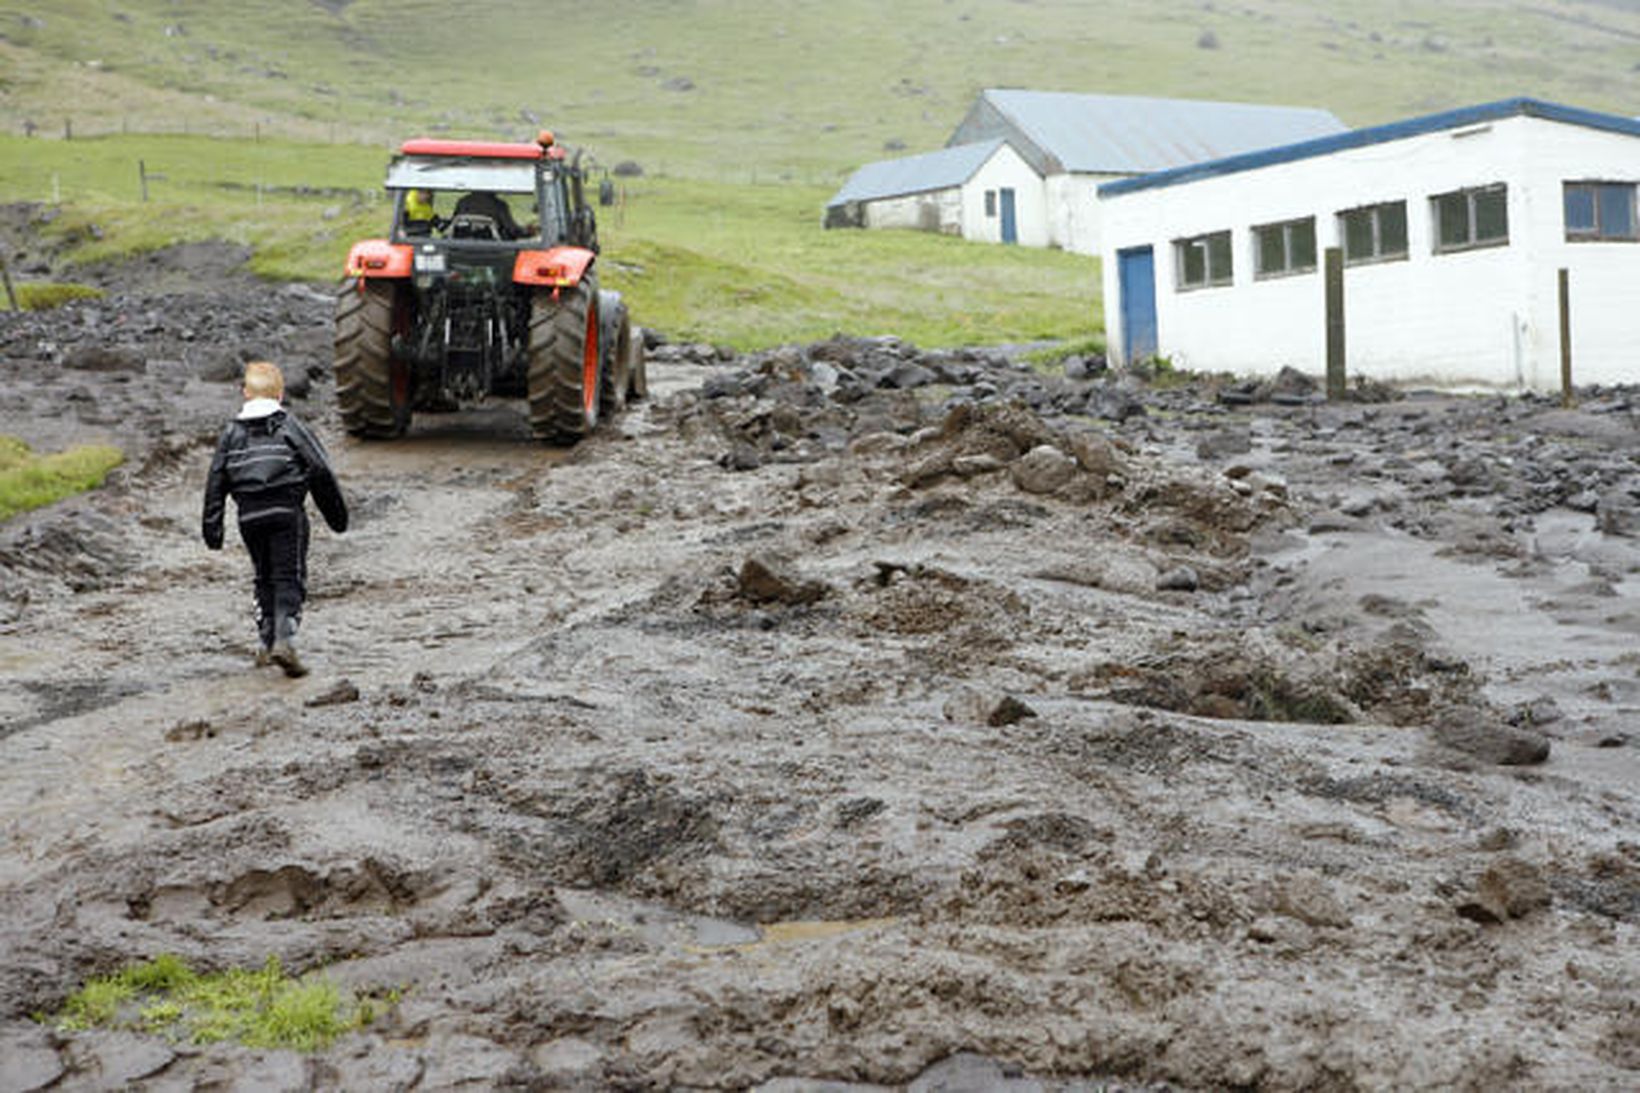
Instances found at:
x=259 y=407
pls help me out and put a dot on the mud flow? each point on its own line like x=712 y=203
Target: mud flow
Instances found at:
x=846 y=716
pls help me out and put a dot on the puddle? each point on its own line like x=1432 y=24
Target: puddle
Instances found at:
x=662 y=926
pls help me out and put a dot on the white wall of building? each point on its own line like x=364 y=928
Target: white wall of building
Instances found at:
x=1005 y=169
x=1073 y=201
x=1484 y=315
x=933 y=211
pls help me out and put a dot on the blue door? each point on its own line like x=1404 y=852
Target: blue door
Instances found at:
x=1010 y=230
x=1136 y=277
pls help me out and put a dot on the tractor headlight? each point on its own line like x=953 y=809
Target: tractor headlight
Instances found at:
x=430 y=263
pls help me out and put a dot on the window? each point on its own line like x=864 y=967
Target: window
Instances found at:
x=1374 y=233
x=1471 y=218
x=1203 y=260
x=990 y=202
x=1288 y=247
x=1600 y=210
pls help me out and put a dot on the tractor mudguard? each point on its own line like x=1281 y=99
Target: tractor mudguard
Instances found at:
x=556 y=267
x=378 y=258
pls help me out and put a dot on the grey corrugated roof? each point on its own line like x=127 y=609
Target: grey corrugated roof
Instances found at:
x=1131 y=134
x=916 y=174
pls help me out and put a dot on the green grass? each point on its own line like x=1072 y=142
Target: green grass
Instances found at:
x=261 y=1008
x=745 y=114
x=777 y=91
x=31 y=481
x=45 y=295
x=734 y=263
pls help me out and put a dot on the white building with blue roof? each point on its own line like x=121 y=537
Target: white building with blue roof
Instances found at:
x=1040 y=187
x=1453 y=229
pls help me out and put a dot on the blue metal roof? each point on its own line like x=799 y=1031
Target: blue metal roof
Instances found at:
x=1360 y=138
x=1132 y=134
x=916 y=174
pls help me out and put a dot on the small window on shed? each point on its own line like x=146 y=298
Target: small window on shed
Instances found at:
x=1600 y=210
x=1288 y=247
x=1471 y=218
x=1374 y=233
x=1203 y=260
x=990 y=202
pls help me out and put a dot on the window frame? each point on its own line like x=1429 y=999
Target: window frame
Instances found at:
x=1288 y=268
x=1470 y=194
x=990 y=204
x=1379 y=254
x=1205 y=241
x=1597 y=234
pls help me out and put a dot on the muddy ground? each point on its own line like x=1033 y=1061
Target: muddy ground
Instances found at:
x=843 y=717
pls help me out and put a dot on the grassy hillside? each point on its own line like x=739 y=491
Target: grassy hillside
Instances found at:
x=736 y=263
x=761 y=89
x=274 y=121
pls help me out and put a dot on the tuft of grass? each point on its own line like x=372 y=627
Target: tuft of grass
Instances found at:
x=31 y=481
x=43 y=296
x=262 y=1007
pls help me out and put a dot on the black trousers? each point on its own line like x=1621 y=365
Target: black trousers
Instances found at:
x=278 y=545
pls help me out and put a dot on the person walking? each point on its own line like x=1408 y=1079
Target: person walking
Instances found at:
x=269 y=462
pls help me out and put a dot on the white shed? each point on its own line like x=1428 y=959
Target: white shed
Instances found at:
x=982 y=191
x=1077 y=141
x=1453 y=230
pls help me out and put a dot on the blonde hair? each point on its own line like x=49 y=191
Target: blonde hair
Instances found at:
x=264 y=380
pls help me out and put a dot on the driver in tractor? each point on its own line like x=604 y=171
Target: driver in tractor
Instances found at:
x=419 y=216
x=485 y=203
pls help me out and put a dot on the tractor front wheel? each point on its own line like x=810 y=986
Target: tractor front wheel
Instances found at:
x=372 y=389
x=566 y=364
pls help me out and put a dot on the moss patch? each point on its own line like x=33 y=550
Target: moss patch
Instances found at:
x=30 y=481
x=263 y=1008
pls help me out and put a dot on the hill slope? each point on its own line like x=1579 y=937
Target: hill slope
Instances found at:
x=747 y=89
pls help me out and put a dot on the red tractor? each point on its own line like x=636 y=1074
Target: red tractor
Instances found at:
x=486 y=288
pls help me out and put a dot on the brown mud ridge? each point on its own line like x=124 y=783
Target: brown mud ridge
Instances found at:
x=845 y=717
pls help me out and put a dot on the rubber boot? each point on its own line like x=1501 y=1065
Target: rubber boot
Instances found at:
x=283 y=652
x=264 y=631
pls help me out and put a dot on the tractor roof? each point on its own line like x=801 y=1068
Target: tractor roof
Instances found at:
x=493 y=149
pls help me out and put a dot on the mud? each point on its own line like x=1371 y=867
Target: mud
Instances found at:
x=843 y=717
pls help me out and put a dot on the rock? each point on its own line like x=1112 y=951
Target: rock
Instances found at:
x=1509 y=888
x=343 y=692
x=907 y=375
x=1310 y=900
x=1489 y=740
x=1224 y=442
x=1618 y=515
x=1180 y=579
x=764 y=580
x=967 y=466
x=104 y=358
x=1009 y=711
x=1043 y=469
x=970 y=706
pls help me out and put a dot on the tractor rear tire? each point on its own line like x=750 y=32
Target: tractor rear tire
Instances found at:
x=566 y=366
x=617 y=375
x=637 y=368
x=372 y=389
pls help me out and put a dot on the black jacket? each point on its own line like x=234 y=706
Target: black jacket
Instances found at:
x=269 y=465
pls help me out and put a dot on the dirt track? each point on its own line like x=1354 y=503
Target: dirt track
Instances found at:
x=798 y=729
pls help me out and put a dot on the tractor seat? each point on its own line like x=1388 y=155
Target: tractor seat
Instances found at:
x=474 y=226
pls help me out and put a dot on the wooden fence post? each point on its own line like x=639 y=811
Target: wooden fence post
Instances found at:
x=1566 y=397
x=1335 y=323
x=5 y=275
